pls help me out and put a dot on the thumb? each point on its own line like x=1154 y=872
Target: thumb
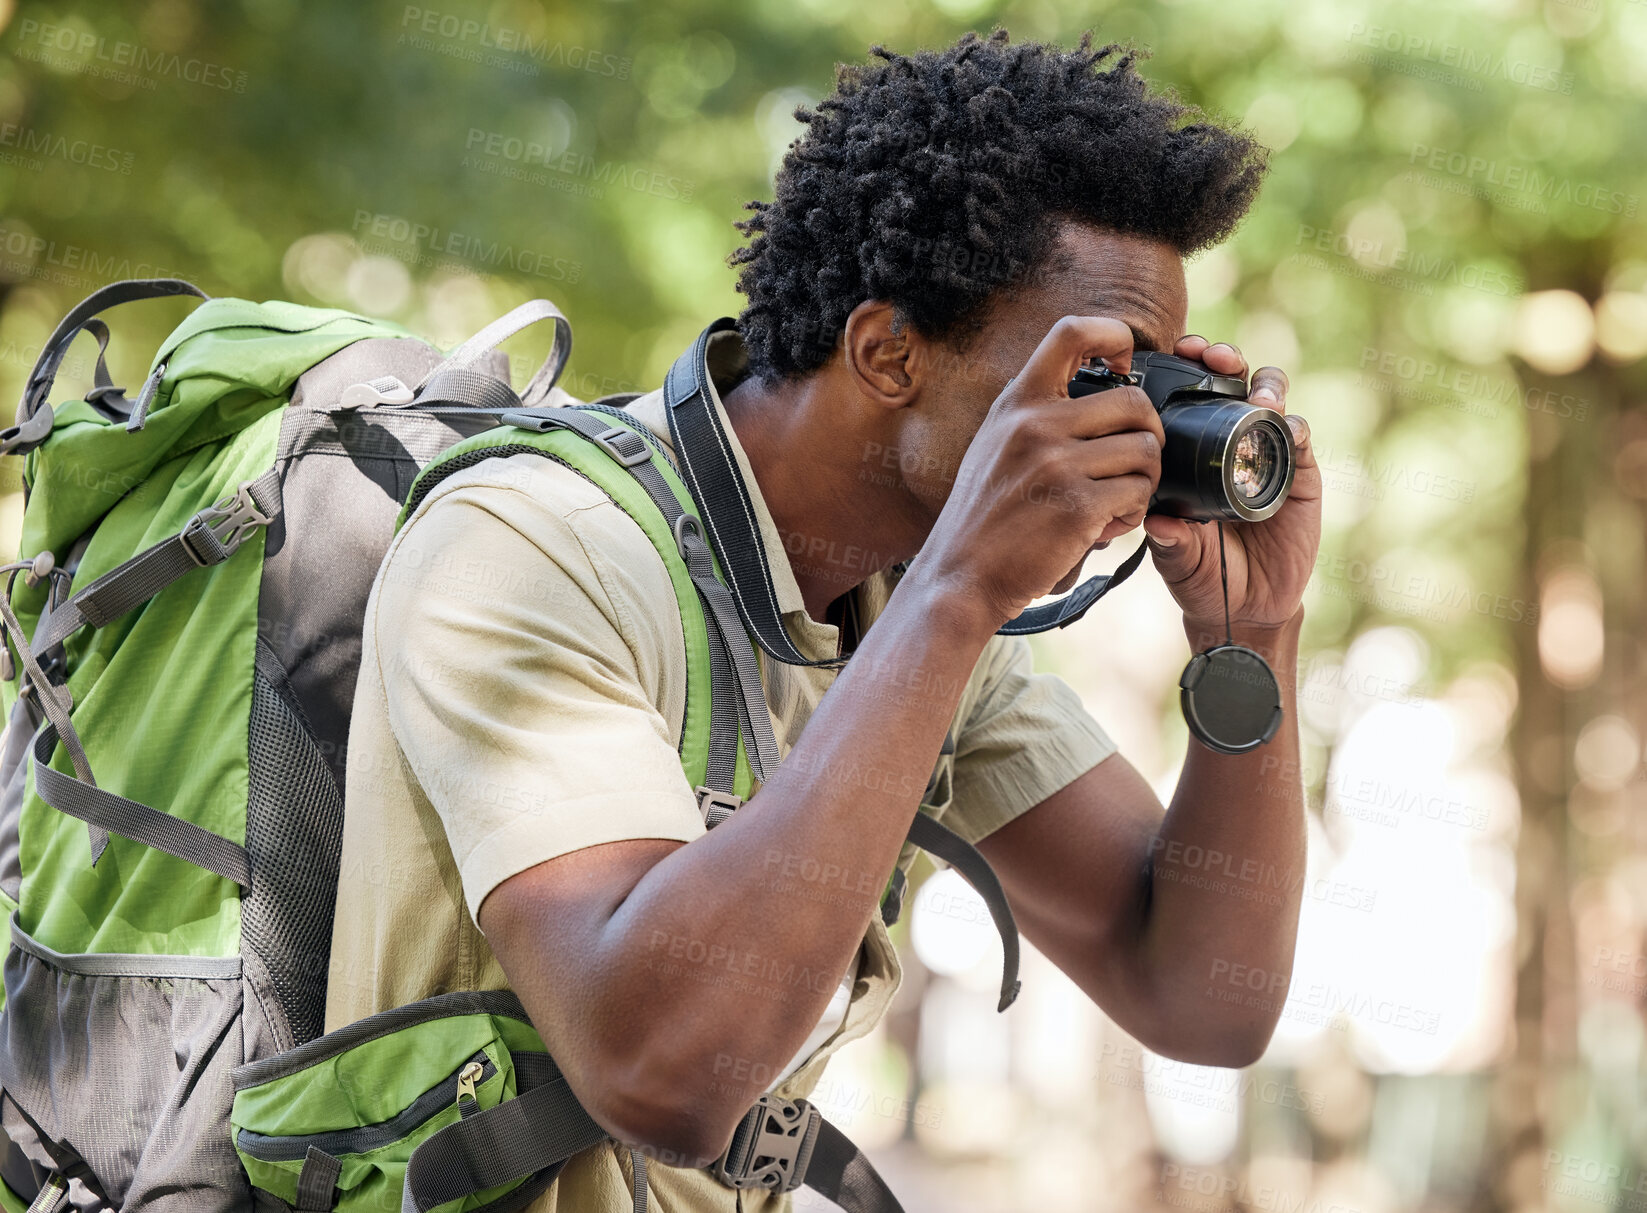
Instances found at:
x=1172 y=542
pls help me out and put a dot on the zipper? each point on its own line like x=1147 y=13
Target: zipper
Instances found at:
x=458 y=1089
x=467 y=1104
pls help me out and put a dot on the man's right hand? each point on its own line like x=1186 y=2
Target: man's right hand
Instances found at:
x=1046 y=479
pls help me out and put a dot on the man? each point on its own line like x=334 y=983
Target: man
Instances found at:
x=954 y=235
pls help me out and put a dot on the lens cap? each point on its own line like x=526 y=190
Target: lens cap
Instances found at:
x=1230 y=699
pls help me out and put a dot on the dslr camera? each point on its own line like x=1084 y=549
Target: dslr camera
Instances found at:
x=1223 y=458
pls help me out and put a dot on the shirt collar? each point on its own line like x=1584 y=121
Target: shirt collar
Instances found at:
x=728 y=363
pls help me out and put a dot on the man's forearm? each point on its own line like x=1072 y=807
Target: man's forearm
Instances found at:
x=744 y=934
x=1227 y=868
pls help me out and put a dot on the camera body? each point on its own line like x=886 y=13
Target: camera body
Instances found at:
x=1223 y=458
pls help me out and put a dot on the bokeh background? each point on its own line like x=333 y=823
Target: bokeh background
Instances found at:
x=1449 y=258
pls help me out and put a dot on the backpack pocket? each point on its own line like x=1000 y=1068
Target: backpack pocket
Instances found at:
x=114 y=1074
x=333 y=1123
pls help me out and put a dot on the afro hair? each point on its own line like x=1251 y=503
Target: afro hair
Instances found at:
x=933 y=180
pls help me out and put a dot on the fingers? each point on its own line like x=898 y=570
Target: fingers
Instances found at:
x=1134 y=453
x=1103 y=413
x=1306 y=481
x=1068 y=344
x=1269 y=388
x=1220 y=357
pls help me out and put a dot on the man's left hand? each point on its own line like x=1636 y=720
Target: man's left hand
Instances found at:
x=1269 y=562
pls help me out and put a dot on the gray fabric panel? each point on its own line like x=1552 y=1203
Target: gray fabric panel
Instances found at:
x=125 y=1080
x=294 y=835
x=343 y=477
x=14 y=774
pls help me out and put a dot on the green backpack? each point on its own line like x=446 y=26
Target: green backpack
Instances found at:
x=170 y=781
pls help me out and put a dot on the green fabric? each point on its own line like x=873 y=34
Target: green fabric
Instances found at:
x=10 y=1202
x=571 y=448
x=173 y=677
x=372 y=1083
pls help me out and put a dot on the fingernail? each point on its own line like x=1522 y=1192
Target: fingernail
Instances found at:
x=1263 y=395
x=1300 y=428
x=1169 y=541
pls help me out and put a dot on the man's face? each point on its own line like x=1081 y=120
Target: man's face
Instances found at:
x=1091 y=272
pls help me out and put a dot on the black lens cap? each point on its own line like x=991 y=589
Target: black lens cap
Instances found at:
x=1230 y=699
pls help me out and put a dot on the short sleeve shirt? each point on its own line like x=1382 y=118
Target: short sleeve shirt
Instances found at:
x=521 y=694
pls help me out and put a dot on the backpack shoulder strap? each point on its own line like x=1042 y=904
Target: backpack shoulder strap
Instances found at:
x=726 y=741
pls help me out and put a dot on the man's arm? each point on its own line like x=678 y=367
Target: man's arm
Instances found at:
x=655 y=970
x=1179 y=923
x=1182 y=926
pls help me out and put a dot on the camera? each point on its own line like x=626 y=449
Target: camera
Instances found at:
x=1223 y=457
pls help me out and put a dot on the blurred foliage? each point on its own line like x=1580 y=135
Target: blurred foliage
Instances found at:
x=1442 y=173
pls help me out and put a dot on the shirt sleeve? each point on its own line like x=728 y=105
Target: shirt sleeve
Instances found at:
x=1024 y=737
x=522 y=668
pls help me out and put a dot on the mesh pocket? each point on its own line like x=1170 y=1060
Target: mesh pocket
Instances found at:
x=294 y=834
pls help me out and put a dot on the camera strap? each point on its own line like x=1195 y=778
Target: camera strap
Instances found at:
x=703 y=451
x=1066 y=610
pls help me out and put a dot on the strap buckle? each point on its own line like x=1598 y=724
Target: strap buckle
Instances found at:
x=771 y=1147
x=213 y=534
x=609 y=439
x=715 y=806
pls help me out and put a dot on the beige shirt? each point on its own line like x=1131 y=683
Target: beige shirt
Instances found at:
x=522 y=687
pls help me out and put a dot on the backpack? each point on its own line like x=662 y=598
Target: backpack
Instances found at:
x=170 y=780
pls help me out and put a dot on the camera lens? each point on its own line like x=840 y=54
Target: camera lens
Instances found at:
x=1255 y=464
x=1223 y=459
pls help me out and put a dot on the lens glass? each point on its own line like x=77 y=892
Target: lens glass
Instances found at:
x=1256 y=465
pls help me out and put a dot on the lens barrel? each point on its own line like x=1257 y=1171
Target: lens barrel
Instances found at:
x=1223 y=458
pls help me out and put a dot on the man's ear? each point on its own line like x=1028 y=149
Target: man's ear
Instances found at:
x=883 y=356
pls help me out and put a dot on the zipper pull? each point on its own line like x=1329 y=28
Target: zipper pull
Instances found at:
x=467 y=1102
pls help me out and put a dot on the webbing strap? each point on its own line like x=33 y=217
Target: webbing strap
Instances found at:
x=53 y=1193
x=637 y=1187
x=105 y=813
x=22 y=437
x=113 y=594
x=210 y=537
x=531 y=1135
x=500 y=330
x=839 y=1172
x=934 y=837
x=317 y=1181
